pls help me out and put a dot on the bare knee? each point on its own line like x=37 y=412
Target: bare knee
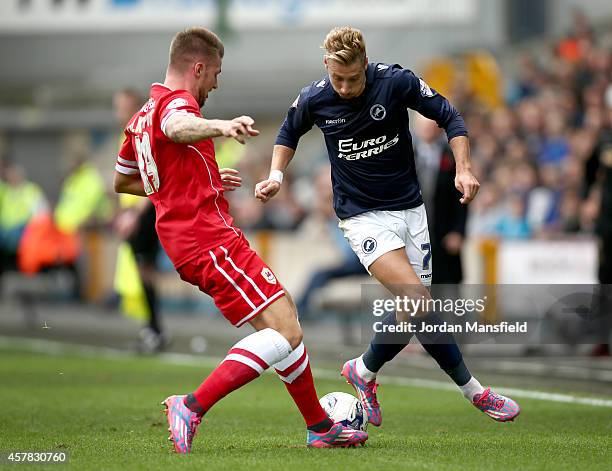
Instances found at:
x=294 y=335
x=282 y=317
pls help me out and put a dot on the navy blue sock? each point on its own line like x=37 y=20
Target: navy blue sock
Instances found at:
x=443 y=348
x=385 y=346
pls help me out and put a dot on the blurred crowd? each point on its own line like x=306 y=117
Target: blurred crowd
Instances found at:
x=533 y=155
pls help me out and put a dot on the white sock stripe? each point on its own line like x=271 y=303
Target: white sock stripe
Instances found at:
x=244 y=360
x=229 y=278
x=246 y=277
x=294 y=356
x=267 y=344
x=296 y=373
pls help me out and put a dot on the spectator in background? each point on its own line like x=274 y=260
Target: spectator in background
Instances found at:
x=83 y=201
x=135 y=224
x=543 y=203
x=83 y=205
x=446 y=215
x=529 y=79
x=572 y=47
x=486 y=212
x=555 y=147
x=531 y=123
x=20 y=200
x=513 y=224
x=599 y=172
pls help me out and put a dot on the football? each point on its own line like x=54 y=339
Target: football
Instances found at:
x=346 y=409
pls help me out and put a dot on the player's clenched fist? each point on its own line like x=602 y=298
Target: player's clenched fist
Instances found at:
x=266 y=190
x=239 y=128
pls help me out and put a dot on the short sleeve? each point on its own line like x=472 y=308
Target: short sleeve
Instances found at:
x=126 y=160
x=177 y=103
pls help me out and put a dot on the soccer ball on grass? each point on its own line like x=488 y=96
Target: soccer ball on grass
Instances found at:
x=346 y=409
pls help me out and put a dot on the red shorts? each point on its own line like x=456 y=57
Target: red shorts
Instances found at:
x=239 y=282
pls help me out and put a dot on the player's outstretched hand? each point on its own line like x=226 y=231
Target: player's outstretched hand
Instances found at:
x=266 y=190
x=239 y=128
x=467 y=184
x=230 y=179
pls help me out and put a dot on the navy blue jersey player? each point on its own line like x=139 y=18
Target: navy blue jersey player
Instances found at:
x=362 y=110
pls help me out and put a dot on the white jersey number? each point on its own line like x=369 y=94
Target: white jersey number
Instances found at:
x=146 y=164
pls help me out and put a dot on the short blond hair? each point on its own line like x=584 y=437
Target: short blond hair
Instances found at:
x=345 y=45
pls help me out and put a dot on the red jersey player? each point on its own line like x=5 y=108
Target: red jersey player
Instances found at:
x=169 y=156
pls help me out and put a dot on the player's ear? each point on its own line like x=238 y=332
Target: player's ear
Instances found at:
x=198 y=69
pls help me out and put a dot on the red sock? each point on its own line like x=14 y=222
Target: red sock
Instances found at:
x=243 y=363
x=295 y=373
x=227 y=377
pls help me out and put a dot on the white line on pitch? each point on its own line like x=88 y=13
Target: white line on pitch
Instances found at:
x=61 y=348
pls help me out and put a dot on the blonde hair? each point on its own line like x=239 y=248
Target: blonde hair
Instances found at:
x=345 y=45
x=193 y=43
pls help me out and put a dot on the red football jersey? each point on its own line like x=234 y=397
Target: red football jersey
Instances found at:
x=182 y=180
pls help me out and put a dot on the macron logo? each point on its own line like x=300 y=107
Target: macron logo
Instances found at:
x=321 y=84
x=335 y=121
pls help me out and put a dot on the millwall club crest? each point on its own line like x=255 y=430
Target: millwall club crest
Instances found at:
x=378 y=112
x=268 y=275
x=369 y=245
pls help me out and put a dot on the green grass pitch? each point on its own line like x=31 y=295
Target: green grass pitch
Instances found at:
x=106 y=414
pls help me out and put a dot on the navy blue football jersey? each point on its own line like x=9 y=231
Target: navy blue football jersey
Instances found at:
x=368 y=139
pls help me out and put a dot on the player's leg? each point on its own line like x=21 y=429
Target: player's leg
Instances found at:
x=244 y=362
x=145 y=246
x=278 y=343
x=152 y=335
x=372 y=236
x=242 y=288
x=275 y=338
x=398 y=275
x=246 y=290
x=401 y=271
x=296 y=374
x=361 y=372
